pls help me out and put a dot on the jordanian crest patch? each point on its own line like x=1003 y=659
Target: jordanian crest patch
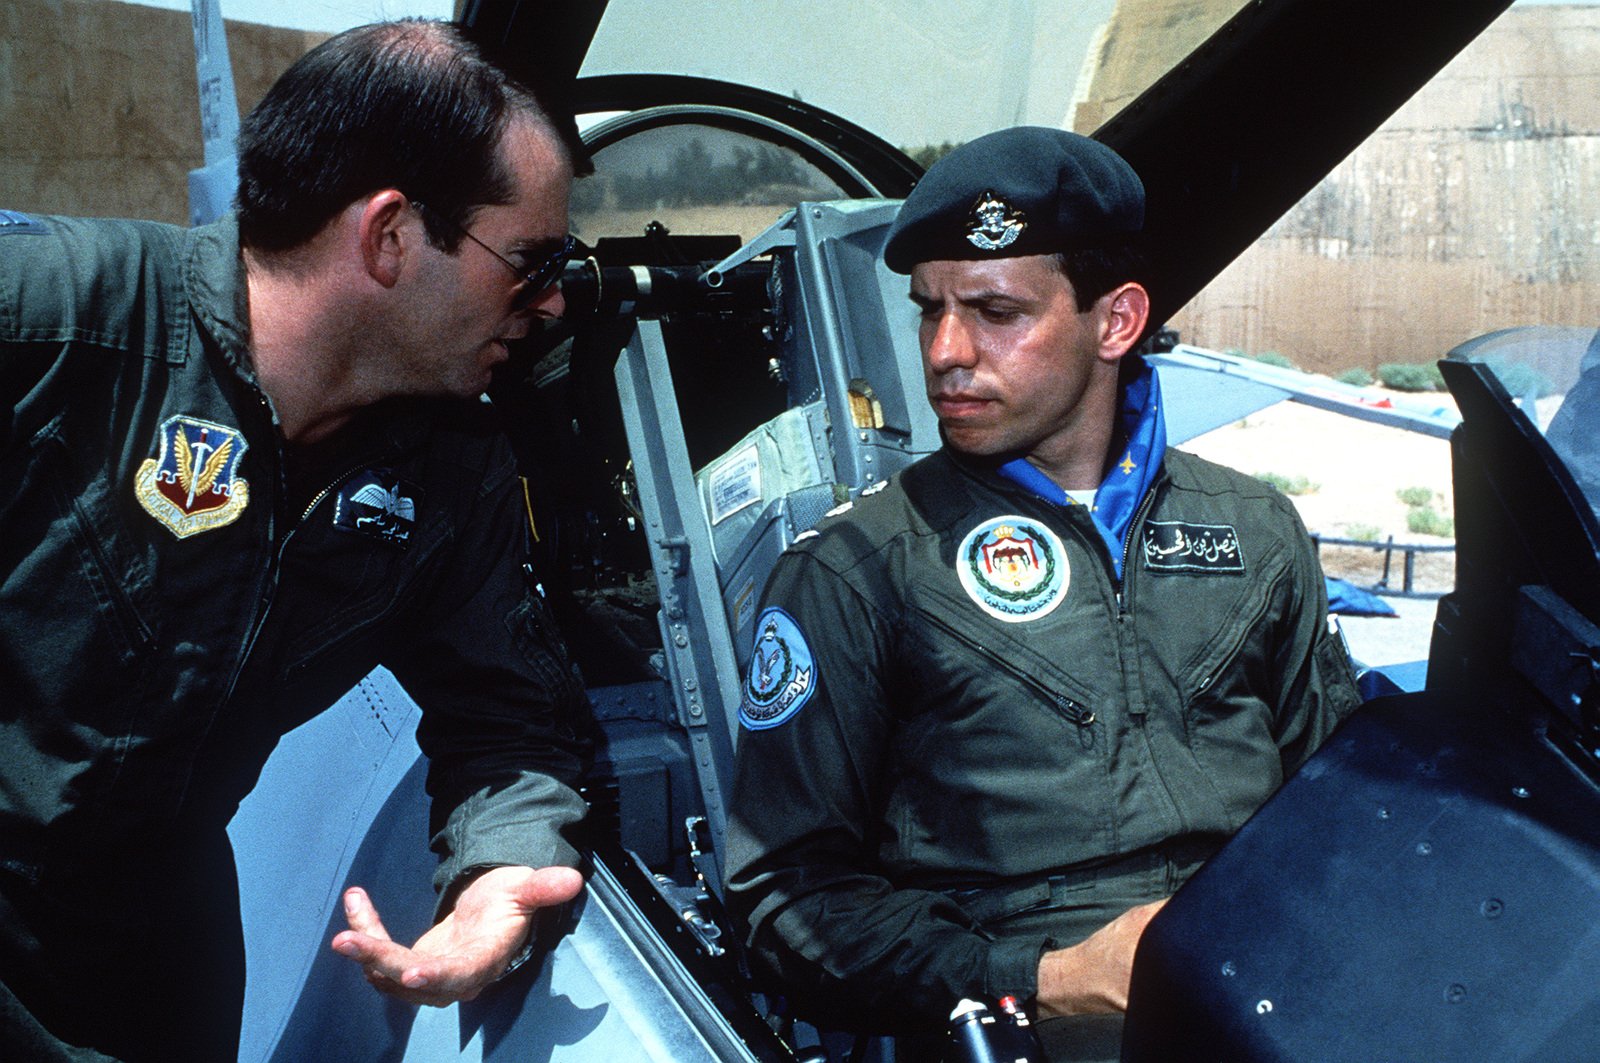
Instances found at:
x=1178 y=546
x=1014 y=568
x=193 y=484
x=782 y=676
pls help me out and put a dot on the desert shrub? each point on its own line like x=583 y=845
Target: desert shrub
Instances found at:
x=1358 y=376
x=1415 y=496
x=1289 y=485
x=1274 y=358
x=1403 y=376
x=924 y=156
x=1367 y=533
x=1424 y=521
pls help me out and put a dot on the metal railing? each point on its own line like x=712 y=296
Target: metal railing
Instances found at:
x=1389 y=548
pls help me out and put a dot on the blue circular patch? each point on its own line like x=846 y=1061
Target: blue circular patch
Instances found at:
x=782 y=675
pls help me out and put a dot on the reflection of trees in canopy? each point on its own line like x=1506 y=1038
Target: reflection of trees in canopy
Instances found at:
x=757 y=174
x=588 y=194
x=929 y=154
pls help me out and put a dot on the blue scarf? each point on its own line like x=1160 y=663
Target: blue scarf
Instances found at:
x=1119 y=494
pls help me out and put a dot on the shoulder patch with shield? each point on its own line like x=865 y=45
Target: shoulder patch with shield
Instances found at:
x=782 y=675
x=193 y=484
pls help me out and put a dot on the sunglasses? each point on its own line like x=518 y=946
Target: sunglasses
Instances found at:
x=532 y=283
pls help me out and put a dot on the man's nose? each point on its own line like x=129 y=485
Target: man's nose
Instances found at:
x=549 y=303
x=949 y=346
x=546 y=305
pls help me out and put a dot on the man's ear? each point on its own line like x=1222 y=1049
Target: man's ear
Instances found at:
x=1125 y=310
x=387 y=230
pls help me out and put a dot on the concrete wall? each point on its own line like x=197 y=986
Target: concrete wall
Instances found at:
x=1143 y=40
x=1476 y=207
x=98 y=107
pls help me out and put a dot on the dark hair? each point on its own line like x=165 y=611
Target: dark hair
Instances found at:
x=413 y=105
x=1093 y=272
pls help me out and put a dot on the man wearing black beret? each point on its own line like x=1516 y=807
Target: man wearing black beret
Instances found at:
x=998 y=711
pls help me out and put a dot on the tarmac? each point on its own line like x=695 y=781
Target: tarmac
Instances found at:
x=1397 y=645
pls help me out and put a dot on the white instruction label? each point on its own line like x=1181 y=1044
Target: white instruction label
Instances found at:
x=735 y=484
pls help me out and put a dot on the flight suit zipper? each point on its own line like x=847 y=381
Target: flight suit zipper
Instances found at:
x=316 y=499
x=1120 y=582
x=270 y=592
x=1128 y=654
x=1068 y=709
x=1236 y=636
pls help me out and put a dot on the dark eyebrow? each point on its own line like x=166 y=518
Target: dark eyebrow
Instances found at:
x=536 y=251
x=992 y=297
x=986 y=298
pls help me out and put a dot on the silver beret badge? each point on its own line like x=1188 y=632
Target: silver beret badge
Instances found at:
x=995 y=224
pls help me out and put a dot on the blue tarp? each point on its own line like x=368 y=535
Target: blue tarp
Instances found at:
x=1347 y=599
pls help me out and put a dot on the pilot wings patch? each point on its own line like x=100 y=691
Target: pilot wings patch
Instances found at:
x=377 y=504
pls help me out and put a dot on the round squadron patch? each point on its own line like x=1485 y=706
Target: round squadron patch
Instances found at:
x=1014 y=568
x=781 y=677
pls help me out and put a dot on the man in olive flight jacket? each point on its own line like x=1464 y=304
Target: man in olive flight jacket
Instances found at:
x=240 y=466
x=1002 y=707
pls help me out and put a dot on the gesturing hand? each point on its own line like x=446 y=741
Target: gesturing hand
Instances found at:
x=467 y=949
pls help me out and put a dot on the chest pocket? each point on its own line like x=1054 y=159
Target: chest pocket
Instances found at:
x=75 y=592
x=1040 y=656
x=350 y=565
x=1205 y=622
x=999 y=741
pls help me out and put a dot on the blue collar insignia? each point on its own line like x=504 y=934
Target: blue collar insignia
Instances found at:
x=16 y=223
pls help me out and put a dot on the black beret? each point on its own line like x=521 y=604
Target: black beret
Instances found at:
x=1023 y=191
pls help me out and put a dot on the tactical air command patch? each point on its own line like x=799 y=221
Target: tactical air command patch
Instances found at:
x=995 y=223
x=1178 y=546
x=782 y=676
x=376 y=504
x=193 y=485
x=1014 y=568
